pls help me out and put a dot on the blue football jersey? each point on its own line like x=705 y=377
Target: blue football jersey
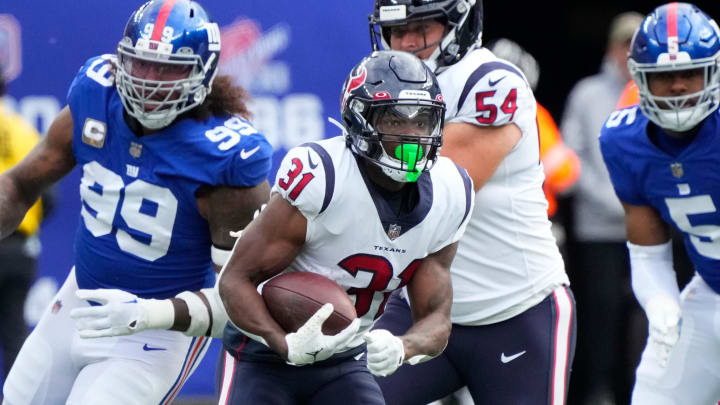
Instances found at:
x=684 y=189
x=141 y=230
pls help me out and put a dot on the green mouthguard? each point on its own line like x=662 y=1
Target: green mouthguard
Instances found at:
x=409 y=154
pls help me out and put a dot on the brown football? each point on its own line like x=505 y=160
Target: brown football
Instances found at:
x=292 y=298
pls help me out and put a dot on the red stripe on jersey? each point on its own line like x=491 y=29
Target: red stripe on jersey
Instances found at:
x=162 y=19
x=672 y=30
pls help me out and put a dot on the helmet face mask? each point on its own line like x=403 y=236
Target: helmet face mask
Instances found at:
x=164 y=73
x=392 y=112
x=403 y=132
x=694 y=50
x=462 y=20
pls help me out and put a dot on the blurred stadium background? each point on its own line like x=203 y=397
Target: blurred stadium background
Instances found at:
x=293 y=57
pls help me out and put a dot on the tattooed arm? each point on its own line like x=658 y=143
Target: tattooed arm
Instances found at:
x=47 y=163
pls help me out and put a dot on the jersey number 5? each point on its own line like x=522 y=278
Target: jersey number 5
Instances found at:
x=705 y=238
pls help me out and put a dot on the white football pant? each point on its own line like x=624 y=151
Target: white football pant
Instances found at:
x=692 y=375
x=56 y=366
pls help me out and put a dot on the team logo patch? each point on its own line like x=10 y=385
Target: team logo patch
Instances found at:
x=132 y=170
x=677 y=169
x=56 y=307
x=380 y=95
x=394 y=231
x=94 y=132
x=10 y=48
x=355 y=81
x=135 y=149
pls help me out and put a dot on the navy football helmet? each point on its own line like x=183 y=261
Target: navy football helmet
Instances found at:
x=463 y=20
x=167 y=60
x=677 y=36
x=391 y=100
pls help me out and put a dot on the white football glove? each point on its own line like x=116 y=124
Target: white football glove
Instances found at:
x=664 y=320
x=309 y=344
x=121 y=313
x=385 y=352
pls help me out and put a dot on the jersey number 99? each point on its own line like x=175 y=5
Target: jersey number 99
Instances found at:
x=147 y=209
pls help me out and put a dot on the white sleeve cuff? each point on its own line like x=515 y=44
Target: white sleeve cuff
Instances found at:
x=220 y=256
x=652 y=272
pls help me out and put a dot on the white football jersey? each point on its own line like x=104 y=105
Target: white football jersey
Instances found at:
x=508 y=260
x=354 y=237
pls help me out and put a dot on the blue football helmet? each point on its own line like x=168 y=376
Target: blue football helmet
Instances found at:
x=677 y=36
x=382 y=91
x=167 y=60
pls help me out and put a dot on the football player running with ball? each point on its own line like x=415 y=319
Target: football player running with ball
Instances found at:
x=513 y=333
x=374 y=210
x=663 y=159
x=169 y=165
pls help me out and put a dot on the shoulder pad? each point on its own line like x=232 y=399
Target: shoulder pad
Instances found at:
x=234 y=152
x=306 y=178
x=623 y=117
x=97 y=71
x=492 y=93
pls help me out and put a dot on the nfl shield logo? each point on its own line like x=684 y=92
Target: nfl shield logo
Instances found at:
x=135 y=149
x=393 y=231
x=56 y=306
x=677 y=169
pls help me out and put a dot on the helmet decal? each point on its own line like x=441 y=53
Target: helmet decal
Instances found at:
x=672 y=31
x=354 y=82
x=159 y=31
